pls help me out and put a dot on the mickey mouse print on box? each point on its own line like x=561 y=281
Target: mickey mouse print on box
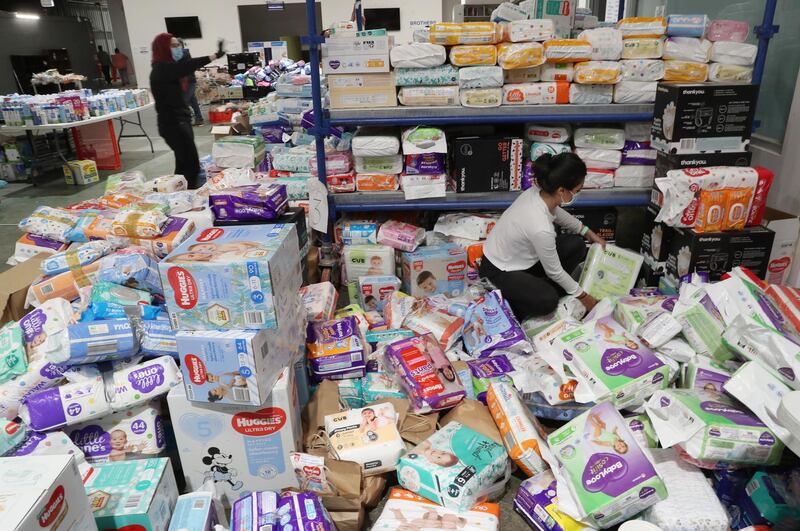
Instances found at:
x=241 y=449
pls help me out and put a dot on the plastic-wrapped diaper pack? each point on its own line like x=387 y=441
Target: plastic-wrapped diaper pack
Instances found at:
x=132 y=267
x=599 y=138
x=603 y=475
x=474 y=77
x=434 y=269
x=79 y=256
x=606 y=43
x=254 y=202
x=51 y=223
x=374 y=291
x=361 y=260
x=687 y=49
x=642 y=69
x=455 y=467
x=728 y=30
x=643 y=48
x=610 y=272
x=356 y=232
x=424 y=373
x=734 y=53
x=685 y=71
x=687 y=25
x=635 y=91
x=535 y=502
x=65 y=405
x=555 y=133
x=511 y=56
x=598 y=72
x=319 y=301
x=11 y=436
x=724 y=73
x=417 y=55
x=634 y=176
x=473 y=54
x=401 y=236
x=405 y=509
x=600 y=159
x=443 y=75
x=557 y=72
x=388 y=164
x=706 y=374
x=336 y=349
x=711 y=429
x=590 y=94
x=535 y=93
x=168 y=183
x=490 y=328
x=341 y=184
x=481 y=97
x=428 y=96
x=13 y=357
x=450 y=33
x=567 y=50
x=121 y=436
x=540 y=148
x=367 y=436
x=642 y=26
x=158 y=339
x=508 y=11
x=40 y=374
x=522 y=435
x=376 y=182
x=523 y=75
x=136 y=384
x=541 y=29
x=52 y=443
x=598 y=178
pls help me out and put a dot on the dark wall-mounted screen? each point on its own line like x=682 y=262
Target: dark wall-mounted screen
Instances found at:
x=384 y=18
x=184 y=27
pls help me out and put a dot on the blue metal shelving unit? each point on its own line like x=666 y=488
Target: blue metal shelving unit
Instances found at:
x=405 y=116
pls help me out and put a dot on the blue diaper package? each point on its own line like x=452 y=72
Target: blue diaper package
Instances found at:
x=687 y=25
x=198 y=511
x=133 y=267
x=158 y=338
x=94 y=341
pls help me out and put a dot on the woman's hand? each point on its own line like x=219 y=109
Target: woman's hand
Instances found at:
x=588 y=301
x=594 y=238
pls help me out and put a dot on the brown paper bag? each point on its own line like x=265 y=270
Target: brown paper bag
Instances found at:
x=416 y=427
x=355 y=493
x=476 y=416
x=324 y=402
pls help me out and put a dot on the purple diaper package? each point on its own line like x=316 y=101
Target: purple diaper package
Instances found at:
x=490 y=327
x=336 y=349
x=638 y=153
x=536 y=503
x=425 y=164
x=268 y=510
x=249 y=203
x=527 y=175
x=65 y=405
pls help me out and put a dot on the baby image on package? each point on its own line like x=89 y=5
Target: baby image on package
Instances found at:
x=435 y=269
x=368 y=436
x=604 y=476
x=455 y=467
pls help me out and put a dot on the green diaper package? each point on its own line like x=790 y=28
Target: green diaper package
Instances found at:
x=434 y=76
x=610 y=272
x=13 y=359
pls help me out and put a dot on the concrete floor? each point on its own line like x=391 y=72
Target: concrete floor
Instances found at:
x=19 y=199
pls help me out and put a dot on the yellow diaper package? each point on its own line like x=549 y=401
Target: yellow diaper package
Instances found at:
x=642 y=26
x=598 y=73
x=511 y=56
x=685 y=71
x=721 y=72
x=451 y=33
x=643 y=48
x=481 y=97
x=567 y=50
x=473 y=55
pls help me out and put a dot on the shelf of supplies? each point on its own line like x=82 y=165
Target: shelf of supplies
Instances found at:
x=383 y=201
x=634 y=112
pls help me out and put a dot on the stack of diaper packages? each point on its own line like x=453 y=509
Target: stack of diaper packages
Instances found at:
x=467 y=230
x=425 y=155
x=637 y=165
x=422 y=75
x=601 y=150
x=378 y=162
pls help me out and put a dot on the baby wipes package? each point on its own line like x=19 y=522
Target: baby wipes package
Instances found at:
x=400 y=236
x=134 y=494
x=374 y=291
x=522 y=435
x=433 y=270
x=406 y=509
x=455 y=467
x=13 y=357
x=610 y=272
x=233 y=277
x=604 y=477
x=712 y=427
x=68 y=404
x=687 y=25
x=367 y=436
x=239 y=448
x=536 y=503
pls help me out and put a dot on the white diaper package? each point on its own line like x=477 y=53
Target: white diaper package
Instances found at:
x=418 y=55
x=522 y=75
x=522 y=435
x=508 y=11
x=375 y=143
x=643 y=48
x=557 y=72
x=610 y=272
x=52 y=443
x=590 y=94
x=540 y=148
x=634 y=176
x=602 y=159
x=724 y=73
x=445 y=74
x=692 y=502
x=539 y=29
x=553 y=133
x=406 y=510
x=639 y=26
x=364 y=260
x=481 y=97
x=544 y=93
x=606 y=43
x=473 y=77
x=144 y=381
x=44 y=330
x=599 y=138
x=40 y=374
x=428 y=96
x=734 y=53
x=465 y=225
x=638 y=132
x=386 y=164
x=598 y=178
x=642 y=69
x=65 y=405
x=567 y=50
x=635 y=91
x=367 y=436
x=706 y=374
x=687 y=49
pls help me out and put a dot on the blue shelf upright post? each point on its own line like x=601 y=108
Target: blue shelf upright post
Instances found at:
x=359 y=14
x=765 y=32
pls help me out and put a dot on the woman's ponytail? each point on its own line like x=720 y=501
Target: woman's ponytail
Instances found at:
x=565 y=170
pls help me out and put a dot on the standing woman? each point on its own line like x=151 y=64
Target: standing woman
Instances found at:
x=168 y=81
x=525 y=257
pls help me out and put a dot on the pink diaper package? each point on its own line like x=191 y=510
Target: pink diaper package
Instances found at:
x=374 y=291
x=319 y=301
x=490 y=328
x=425 y=373
x=435 y=269
x=401 y=236
x=728 y=30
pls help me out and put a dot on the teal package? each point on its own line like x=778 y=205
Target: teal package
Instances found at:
x=194 y=512
x=13 y=359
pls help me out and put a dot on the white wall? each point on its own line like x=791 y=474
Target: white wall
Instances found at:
x=220 y=19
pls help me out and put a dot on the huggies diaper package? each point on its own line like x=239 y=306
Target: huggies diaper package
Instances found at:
x=433 y=270
x=367 y=436
x=374 y=291
x=522 y=435
x=536 y=503
x=406 y=510
x=129 y=434
x=604 y=477
x=135 y=494
x=336 y=349
x=711 y=427
x=610 y=272
x=455 y=467
x=425 y=373
x=319 y=301
x=239 y=448
x=490 y=327
x=234 y=277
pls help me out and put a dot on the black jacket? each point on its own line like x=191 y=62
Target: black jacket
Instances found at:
x=165 y=83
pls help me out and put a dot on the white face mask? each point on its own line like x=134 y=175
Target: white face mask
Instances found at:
x=571 y=201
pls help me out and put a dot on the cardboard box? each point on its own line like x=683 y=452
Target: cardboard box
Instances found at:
x=294 y=215
x=719 y=252
x=43 y=493
x=666 y=162
x=362 y=90
x=431 y=270
x=657 y=237
x=356 y=64
x=14 y=284
x=602 y=221
x=786 y=228
x=703 y=117
x=240 y=448
x=366 y=45
x=128 y=495
x=486 y=164
x=561 y=12
x=81 y=172
x=243 y=277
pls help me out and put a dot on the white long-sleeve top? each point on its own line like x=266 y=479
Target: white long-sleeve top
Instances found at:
x=526 y=235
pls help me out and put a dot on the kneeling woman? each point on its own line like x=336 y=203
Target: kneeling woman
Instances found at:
x=525 y=257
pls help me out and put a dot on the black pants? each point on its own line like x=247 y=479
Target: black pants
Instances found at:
x=530 y=293
x=106 y=73
x=180 y=138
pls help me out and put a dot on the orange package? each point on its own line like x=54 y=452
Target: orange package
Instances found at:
x=376 y=182
x=116 y=201
x=64 y=285
x=710 y=210
x=737 y=208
